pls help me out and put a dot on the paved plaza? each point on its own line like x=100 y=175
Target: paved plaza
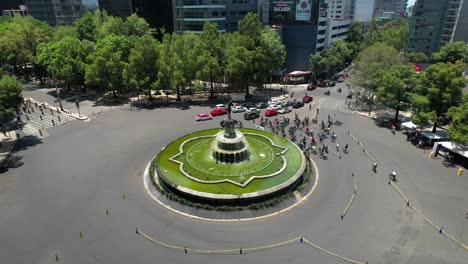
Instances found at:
x=79 y=197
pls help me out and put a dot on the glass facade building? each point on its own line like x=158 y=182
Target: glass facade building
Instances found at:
x=56 y=12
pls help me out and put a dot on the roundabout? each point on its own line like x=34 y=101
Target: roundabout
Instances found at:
x=86 y=178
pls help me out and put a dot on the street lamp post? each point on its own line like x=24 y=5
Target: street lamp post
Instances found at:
x=53 y=77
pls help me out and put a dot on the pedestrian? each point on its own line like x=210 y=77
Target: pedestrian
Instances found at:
x=310 y=107
x=317 y=111
x=328 y=117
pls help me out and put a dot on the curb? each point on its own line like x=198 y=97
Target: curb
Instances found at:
x=146 y=179
x=71 y=114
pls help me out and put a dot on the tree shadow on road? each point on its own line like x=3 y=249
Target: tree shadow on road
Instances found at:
x=11 y=162
x=26 y=142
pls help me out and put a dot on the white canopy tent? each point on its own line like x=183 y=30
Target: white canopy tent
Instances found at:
x=454 y=147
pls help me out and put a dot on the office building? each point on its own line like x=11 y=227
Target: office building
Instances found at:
x=389 y=9
x=332 y=24
x=364 y=10
x=10 y=4
x=190 y=15
x=56 y=12
x=20 y=11
x=437 y=22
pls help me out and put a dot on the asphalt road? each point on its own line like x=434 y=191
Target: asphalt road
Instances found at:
x=70 y=178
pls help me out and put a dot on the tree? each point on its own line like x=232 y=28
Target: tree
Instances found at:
x=275 y=51
x=458 y=130
x=355 y=34
x=437 y=89
x=337 y=55
x=19 y=39
x=107 y=63
x=395 y=33
x=318 y=64
x=416 y=57
x=10 y=98
x=452 y=52
x=68 y=59
x=142 y=69
x=137 y=26
x=369 y=66
x=85 y=26
x=394 y=87
x=210 y=54
x=61 y=32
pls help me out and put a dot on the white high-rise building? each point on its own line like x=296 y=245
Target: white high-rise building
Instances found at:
x=364 y=10
x=333 y=24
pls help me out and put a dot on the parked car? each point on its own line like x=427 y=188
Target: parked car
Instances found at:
x=298 y=104
x=252 y=110
x=261 y=105
x=311 y=87
x=331 y=84
x=203 y=116
x=274 y=107
x=251 y=115
x=286 y=103
x=217 y=112
x=271 y=112
x=274 y=101
x=341 y=79
x=323 y=84
x=222 y=106
x=238 y=109
x=307 y=99
x=247 y=105
x=285 y=110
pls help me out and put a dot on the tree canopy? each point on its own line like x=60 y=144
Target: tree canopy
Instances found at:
x=452 y=52
x=458 y=130
x=10 y=98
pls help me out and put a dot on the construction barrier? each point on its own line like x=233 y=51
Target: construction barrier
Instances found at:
x=241 y=250
x=459 y=171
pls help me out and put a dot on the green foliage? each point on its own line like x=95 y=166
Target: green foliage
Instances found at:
x=67 y=59
x=452 y=52
x=210 y=54
x=275 y=51
x=394 y=87
x=142 y=70
x=107 y=63
x=416 y=57
x=10 y=98
x=338 y=54
x=458 y=130
x=19 y=38
x=437 y=89
x=61 y=32
x=318 y=64
x=85 y=26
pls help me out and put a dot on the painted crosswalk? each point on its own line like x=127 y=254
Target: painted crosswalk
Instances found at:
x=337 y=104
x=36 y=122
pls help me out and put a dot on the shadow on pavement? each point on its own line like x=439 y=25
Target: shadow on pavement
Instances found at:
x=26 y=142
x=11 y=162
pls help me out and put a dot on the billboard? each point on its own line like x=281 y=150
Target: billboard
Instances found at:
x=305 y=11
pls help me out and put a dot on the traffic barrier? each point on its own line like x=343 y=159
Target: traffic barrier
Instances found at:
x=431 y=154
x=352 y=197
x=81 y=235
x=439 y=228
x=241 y=250
x=56 y=258
x=459 y=171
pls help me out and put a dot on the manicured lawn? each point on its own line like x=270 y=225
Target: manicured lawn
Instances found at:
x=198 y=162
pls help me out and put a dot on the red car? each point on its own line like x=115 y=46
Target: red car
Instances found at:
x=271 y=112
x=218 y=112
x=323 y=84
x=311 y=87
x=307 y=99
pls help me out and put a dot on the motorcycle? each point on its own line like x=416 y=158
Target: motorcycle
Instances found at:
x=392 y=176
x=326 y=93
x=339 y=90
x=338 y=123
x=374 y=167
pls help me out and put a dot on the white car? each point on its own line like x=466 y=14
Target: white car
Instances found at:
x=274 y=107
x=252 y=110
x=238 y=109
x=285 y=110
x=274 y=101
x=222 y=106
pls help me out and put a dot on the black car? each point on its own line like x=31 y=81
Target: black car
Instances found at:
x=261 y=105
x=286 y=103
x=251 y=115
x=297 y=104
x=331 y=84
x=248 y=105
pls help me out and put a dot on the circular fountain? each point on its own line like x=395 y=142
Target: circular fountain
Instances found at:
x=228 y=165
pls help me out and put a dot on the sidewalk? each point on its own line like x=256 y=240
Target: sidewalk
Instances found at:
x=6 y=144
x=385 y=113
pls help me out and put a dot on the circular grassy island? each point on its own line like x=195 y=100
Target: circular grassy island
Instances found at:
x=225 y=166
